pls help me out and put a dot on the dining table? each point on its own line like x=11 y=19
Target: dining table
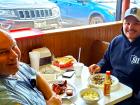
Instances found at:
x=121 y=93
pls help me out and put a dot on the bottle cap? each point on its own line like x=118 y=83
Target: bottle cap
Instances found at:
x=108 y=72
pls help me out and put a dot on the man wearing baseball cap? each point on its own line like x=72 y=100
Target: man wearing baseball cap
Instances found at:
x=123 y=56
x=133 y=12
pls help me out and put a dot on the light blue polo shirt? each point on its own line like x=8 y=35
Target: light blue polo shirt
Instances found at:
x=14 y=90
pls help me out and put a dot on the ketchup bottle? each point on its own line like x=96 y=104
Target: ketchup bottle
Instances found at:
x=107 y=84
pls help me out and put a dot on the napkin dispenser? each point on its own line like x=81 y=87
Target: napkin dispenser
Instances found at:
x=39 y=57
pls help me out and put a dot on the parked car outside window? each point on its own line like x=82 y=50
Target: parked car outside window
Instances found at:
x=82 y=12
x=41 y=14
x=110 y=3
x=113 y=3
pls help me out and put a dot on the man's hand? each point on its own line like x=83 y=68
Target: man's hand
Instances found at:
x=94 y=68
x=54 y=100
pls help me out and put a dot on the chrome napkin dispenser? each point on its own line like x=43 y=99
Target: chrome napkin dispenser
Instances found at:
x=39 y=57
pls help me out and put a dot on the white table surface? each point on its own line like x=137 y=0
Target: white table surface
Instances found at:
x=121 y=93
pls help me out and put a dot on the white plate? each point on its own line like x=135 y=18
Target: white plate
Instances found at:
x=69 y=86
x=114 y=84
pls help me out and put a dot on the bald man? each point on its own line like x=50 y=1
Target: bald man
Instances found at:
x=20 y=84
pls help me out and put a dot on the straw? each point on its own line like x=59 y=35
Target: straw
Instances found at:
x=79 y=54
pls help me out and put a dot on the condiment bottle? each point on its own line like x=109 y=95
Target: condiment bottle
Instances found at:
x=107 y=84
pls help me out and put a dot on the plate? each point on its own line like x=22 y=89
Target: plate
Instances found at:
x=64 y=62
x=97 y=81
x=69 y=86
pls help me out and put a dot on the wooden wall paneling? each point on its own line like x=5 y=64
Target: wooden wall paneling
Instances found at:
x=68 y=41
x=64 y=43
x=26 y=45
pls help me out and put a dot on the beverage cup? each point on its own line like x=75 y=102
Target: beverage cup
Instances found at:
x=78 y=68
x=34 y=59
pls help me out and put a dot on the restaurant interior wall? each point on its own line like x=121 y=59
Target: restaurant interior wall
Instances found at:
x=68 y=41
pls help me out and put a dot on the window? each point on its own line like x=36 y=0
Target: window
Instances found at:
x=53 y=14
x=40 y=14
x=84 y=12
x=135 y=3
